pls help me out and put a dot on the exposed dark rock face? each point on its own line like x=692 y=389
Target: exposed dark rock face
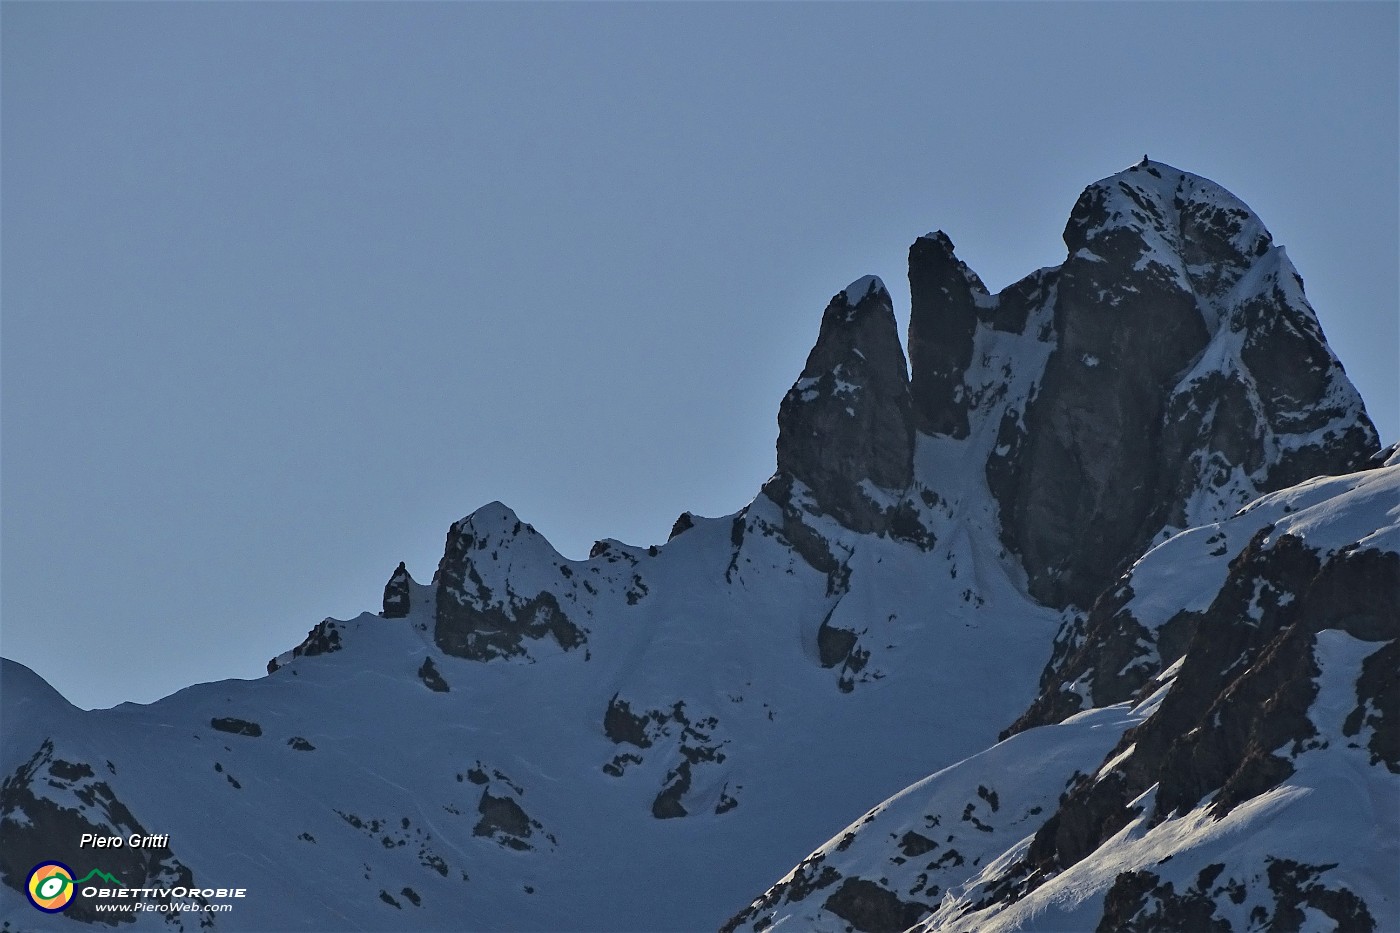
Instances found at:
x=35 y=828
x=397 y=833
x=1296 y=885
x=428 y=673
x=504 y=816
x=622 y=725
x=684 y=522
x=914 y=844
x=482 y=634
x=809 y=544
x=1084 y=486
x=839 y=646
x=1378 y=706
x=236 y=726
x=1106 y=658
x=1112 y=655
x=1105 y=649
x=1011 y=309
x=1139 y=902
x=809 y=876
x=697 y=746
x=688 y=741
x=323 y=638
x=396 y=593
x=667 y=805
x=1238 y=712
x=834 y=644
x=873 y=909
x=1134 y=427
x=848 y=420
x=943 y=313
x=476 y=623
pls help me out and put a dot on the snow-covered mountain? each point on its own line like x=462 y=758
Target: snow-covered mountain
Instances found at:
x=646 y=739
x=1221 y=752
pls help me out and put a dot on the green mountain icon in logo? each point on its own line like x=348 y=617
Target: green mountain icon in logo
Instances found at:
x=101 y=874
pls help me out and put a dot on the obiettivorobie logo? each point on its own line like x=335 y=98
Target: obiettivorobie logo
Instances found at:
x=51 y=885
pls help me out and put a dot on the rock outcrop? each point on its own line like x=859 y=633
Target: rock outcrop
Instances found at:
x=1151 y=617
x=845 y=428
x=47 y=806
x=1189 y=375
x=397 y=593
x=482 y=622
x=944 y=300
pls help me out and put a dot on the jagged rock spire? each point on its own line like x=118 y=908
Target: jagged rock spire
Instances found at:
x=845 y=428
x=396 y=593
x=944 y=296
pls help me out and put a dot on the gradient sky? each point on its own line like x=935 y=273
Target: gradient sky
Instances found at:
x=289 y=288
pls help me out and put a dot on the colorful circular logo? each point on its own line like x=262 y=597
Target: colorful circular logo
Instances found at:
x=50 y=886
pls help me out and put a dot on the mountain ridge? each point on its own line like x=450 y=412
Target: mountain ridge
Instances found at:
x=934 y=532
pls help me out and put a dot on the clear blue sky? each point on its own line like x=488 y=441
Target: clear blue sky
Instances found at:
x=289 y=288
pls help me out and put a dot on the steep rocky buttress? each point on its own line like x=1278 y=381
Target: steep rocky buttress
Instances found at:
x=845 y=428
x=1188 y=375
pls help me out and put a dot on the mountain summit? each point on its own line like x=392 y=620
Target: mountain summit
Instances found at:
x=1127 y=514
x=1188 y=375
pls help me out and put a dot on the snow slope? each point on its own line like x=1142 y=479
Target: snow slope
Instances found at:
x=714 y=645
x=1286 y=739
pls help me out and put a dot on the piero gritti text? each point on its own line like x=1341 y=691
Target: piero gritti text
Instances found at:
x=134 y=841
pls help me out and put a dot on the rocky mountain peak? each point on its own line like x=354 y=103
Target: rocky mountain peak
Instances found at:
x=945 y=297
x=1167 y=372
x=867 y=286
x=860 y=626
x=495 y=595
x=1188 y=375
x=847 y=425
x=1191 y=227
x=494 y=518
